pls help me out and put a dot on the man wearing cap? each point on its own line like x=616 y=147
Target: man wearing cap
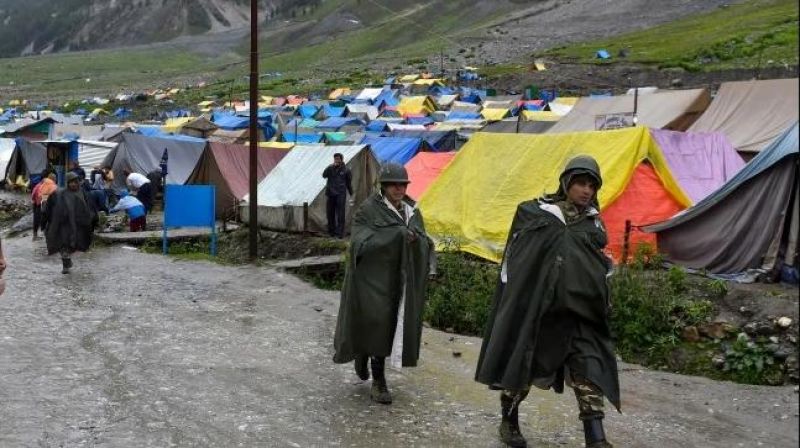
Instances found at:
x=339 y=184
x=549 y=323
x=389 y=262
x=70 y=221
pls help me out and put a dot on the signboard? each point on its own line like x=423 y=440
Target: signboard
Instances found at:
x=190 y=206
x=614 y=121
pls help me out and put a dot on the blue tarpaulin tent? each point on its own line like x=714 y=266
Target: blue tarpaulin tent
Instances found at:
x=307 y=110
x=463 y=116
x=391 y=149
x=435 y=140
x=336 y=123
x=331 y=111
x=301 y=138
x=419 y=120
x=377 y=126
x=230 y=122
x=603 y=54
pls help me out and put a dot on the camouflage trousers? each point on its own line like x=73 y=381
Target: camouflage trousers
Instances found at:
x=589 y=396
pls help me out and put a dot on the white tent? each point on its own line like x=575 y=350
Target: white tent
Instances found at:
x=7 y=146
x=297 y=180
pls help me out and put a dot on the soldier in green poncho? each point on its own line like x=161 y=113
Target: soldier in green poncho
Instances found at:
x=549 y=322
x=390 y=260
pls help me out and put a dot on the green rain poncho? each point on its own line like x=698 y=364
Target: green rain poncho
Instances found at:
x=549 y=316
x=384 y=269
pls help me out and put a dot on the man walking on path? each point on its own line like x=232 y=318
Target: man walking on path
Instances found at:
x=549 y=321
x=339 y=184
x=390 y=260
x=70 y=221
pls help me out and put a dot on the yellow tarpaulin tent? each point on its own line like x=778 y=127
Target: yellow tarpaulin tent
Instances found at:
x=538 y=64
x=205 y=103
x=429 y=82
x=540 y=115
x=276 y=145
x=416 y=105
x=494 y=114
x=566 y=100
x=474 y=199
x=342 y=91
x=409 y=78
x=174 y=125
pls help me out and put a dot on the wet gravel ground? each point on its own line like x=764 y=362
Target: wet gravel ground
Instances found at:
x=138 y=350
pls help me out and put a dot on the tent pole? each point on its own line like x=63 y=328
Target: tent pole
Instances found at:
x=253 y=215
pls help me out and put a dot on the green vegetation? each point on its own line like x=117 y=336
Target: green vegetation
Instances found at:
x=756 y=33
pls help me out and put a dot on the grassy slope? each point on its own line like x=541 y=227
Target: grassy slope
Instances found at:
x=740 y=36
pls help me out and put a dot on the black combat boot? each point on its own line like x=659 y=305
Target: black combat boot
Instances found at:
x=379 y=392
x=66 y=263
x=361 y=367
x=595 y=436
x=509 y=426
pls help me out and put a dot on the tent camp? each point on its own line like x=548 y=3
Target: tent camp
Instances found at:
x=298 y=180
x=424 y=168
x=700 y=161
x=474 y=200
x=393 y=149
x=227 y=167
x=141 y=154
x=758 y=210
x=751 y=113
x=28 y=159
x=667 y=109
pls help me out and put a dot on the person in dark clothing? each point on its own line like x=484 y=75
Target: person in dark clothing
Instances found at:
x=75 y=167
x=549 y=321
x=339 y=185
x=390 y=261
x=156 y=185
x=70 y=221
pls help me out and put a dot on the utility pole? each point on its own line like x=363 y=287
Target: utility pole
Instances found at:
x=253 y=214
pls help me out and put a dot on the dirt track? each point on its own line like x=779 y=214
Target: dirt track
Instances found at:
x=140 y=350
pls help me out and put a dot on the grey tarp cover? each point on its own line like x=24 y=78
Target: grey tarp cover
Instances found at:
x=142 y=154
x=28 y=158
x=667 y=109
x=297 y=179
x=736 y=227
x=509 y=126
x=751 y=113
x=92 y=153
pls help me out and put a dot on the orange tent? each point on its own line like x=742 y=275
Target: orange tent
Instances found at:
x=644 y=201
x=424 y=168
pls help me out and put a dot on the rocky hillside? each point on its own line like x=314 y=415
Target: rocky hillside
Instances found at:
x=46 y=26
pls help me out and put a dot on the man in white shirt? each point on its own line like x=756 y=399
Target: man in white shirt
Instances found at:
x=143 y=187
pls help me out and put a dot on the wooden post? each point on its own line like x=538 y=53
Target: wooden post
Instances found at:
x=305 y=217
x=253 y=210
x=626 y=241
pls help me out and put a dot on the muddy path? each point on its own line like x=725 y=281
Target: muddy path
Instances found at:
x=140 y=350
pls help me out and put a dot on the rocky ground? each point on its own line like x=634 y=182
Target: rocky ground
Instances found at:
x=134 y=349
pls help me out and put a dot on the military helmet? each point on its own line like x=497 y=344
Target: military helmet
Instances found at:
x=583 y=164
x=393 y=173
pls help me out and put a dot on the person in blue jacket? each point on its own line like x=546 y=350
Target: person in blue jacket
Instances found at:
x=135 y=210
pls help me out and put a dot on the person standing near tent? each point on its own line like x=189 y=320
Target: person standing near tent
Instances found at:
x=39 y=196
x=70 y=221
x=549 y=322
x=143 y=187
x=390 y=260
x=339 y=185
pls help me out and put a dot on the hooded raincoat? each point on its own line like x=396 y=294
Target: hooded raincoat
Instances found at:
x=70 y=221
x=385 y=283
x=549 y=317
